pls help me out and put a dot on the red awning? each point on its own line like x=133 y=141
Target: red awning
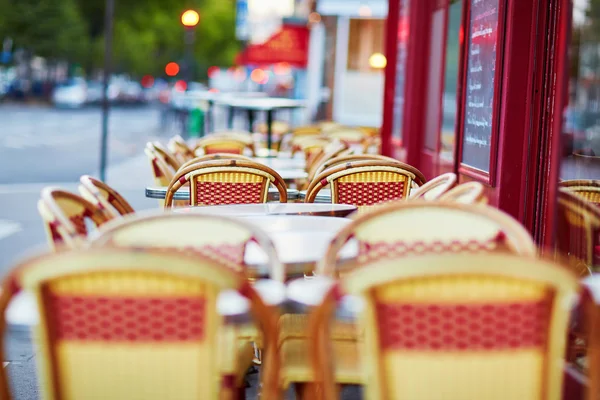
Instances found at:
x=289 y=45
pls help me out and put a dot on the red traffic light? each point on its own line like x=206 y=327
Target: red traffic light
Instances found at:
x=172 y=69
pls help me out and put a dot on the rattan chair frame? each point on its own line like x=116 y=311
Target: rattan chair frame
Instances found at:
x=34 y=273
x=216 y=156
x=192 y=230
x=161 y=171
x=364 y=279
x=468 y=193
x=214 y=139
x=332 y=162
x=442 y=183
x=165 y=155
x=587 y=188
x=332 y=174
x=186 y=175
x=104 y=197
x=518 y=240
x=54 y=215
x=180 y=149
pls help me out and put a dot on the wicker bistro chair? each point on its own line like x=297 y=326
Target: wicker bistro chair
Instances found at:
x=216 y=156
x=64 y=215
x=220 y=238
x=104 y=197
x=460 y=326
x=438 y=228
x=180 y=149
x=123 y=324
x=578 y=229
x=467 y=193
x=346 y=158
x=165 y=154
x=587 y=188
x=227 y=182
x=348 y=135
x=435 y=188
x=367 y=183
x=222 y=144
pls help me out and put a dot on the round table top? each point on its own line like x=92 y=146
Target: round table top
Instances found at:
x=261 y=103
x=245 y=210
x=324 y=196
x=158 y=192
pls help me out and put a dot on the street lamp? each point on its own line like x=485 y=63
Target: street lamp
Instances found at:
x=189 y=20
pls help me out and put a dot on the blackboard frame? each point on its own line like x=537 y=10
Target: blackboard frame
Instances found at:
x=486 y=177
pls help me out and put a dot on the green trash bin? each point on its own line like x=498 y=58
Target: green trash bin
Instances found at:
x=196 y=123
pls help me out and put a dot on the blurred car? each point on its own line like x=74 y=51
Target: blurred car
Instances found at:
x=94 y=92
x=131 y=93
x=71 y=94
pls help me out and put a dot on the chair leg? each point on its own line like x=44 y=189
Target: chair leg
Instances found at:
x=305 y=391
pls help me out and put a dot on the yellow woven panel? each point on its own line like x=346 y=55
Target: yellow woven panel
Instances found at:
x=127 y=284
x=70 y=207
x=297 y=365
x=136 y=372
x=466 y=288
x=296 y=325
x=590 y=195
x=374 y=176
x=235 y=177
x=459 y=376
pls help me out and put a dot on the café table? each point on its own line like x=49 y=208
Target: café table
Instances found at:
x=324 y=196
x=248 y=210
x=160 y=192
x=300 y=241
x=252 y=105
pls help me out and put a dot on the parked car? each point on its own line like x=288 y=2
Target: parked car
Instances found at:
x=72 y=94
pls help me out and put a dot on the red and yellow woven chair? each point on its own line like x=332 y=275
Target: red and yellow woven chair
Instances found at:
x=435 y=188
x=104 y=197
x=227 y=182
x=328 y=126
x=216 y=156
x=162 y=171
x=346 y=158
x=578 y=225
x=223 y=144
x=466 y=193
x=460 y=326
x=123 y=324
x=180 y=149
x=367 y=183
x=332 y=150
x=64 y=215
x=587 y=188
x=395 y=231
x=165 y=154
x=220 y=238
x=350 y=136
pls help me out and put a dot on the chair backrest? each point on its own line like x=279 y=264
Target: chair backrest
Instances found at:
x=163 y=172
x=421 y=227
x=367 y=183
x=220 y=238
x=330 y=151
x=466 y=193
x=123 y=324
x=243 y=136
x=309 y=145
x=348 y=135
x=222 y=144
x=435 y=188
x=578 y=230
x=180 y=150
x=216 y=156
x=328 y=126
x=587 y=188
x=104 y=197
x=227 y=182
x=306 y=130
x=64 y=215
x=479 y=326
x=278 y=127
x=165 y=155
x=332 y=162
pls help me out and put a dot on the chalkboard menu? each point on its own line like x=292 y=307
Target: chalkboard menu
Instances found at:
x=400 y=68
x=481 y=71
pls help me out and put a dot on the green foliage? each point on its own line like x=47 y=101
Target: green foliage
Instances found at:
x=147 y=34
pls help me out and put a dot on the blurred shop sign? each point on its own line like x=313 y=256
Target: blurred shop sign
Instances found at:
x=288 y=45
x=242 y=23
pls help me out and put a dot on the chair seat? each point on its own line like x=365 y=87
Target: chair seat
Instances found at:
x=295 y=326
x=297 y=366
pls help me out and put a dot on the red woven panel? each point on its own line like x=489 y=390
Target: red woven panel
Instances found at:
x=369 y=193
x=228 y=150
x=463 y=327
x=212 y=193
x=126 y=319
x=371 y=251
x=77 y=220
